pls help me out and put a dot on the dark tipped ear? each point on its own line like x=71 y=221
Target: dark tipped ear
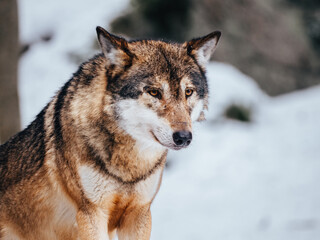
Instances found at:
x=112 y=46
x=204 y=47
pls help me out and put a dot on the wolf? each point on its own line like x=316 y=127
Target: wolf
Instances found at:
x=91 y=163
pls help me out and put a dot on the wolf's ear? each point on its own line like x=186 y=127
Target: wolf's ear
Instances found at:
x=113 y=47
x=204 y=47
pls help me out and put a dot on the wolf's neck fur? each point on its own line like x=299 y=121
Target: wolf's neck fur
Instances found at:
x=129 y=162
x=118 y=153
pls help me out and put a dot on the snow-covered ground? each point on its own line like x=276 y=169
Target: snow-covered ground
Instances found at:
x=237 y=180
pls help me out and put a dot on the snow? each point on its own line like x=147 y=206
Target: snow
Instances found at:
x=257 y=180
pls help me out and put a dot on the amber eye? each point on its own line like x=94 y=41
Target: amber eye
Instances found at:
x=189 y=92
x=155 y=93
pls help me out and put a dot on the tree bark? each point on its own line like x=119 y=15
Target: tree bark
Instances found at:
x=9 y=55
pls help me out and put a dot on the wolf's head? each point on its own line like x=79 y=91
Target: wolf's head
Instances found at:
x=158 y=88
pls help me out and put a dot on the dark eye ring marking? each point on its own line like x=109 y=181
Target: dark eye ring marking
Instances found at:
x=154 y=93
x=188 y=92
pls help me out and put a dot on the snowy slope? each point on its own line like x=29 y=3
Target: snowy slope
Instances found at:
x=236 y=180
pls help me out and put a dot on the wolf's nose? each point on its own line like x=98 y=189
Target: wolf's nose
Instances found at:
x=182 y=138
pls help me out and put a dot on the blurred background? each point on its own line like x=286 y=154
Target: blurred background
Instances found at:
x=253 y=169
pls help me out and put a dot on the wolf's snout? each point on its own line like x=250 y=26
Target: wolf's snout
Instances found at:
x=182 y=138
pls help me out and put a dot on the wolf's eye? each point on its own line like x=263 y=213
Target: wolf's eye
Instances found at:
x=155 y=93
x=189 y=92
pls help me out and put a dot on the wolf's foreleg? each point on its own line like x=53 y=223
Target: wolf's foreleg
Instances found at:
x=136 y=224
x=92 y=225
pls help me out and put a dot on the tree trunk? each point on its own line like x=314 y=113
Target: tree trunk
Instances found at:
x=9 y=54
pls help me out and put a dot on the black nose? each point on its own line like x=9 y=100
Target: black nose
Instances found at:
x=182 y=138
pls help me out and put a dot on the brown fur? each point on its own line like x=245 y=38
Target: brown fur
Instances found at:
x=76 y=172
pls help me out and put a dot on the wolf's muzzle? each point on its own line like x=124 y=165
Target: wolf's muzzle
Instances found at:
x=182 y=138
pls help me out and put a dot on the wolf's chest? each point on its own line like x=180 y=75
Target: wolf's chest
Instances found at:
x=100 y=189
